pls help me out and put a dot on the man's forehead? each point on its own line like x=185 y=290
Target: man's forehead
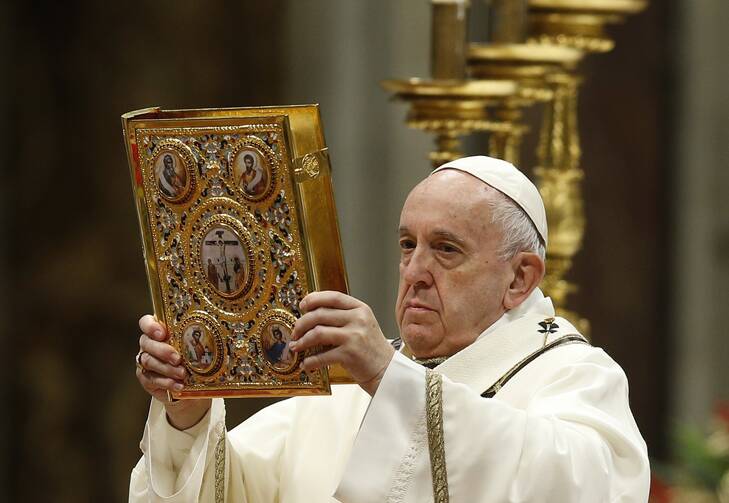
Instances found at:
x=458 y=190
x=452 y=205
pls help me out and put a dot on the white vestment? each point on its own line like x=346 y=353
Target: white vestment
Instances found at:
x=560 y=430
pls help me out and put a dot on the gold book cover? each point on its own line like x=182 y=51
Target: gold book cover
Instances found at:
x=238 y=224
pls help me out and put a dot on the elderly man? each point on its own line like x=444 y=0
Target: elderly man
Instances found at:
x=517 y=406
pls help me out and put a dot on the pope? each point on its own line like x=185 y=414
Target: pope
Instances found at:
x=486 y=396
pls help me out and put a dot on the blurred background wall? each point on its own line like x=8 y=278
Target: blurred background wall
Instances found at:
x=699 y=210
x=653 y=271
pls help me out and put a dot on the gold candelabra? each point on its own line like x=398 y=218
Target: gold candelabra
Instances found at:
x=529 y=66
x=532 y=58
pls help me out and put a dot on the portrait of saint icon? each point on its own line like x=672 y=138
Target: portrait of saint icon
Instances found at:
x=251 y=172
x=275 y=339
x=198 y=347
x=224 y=258
x=172 y=179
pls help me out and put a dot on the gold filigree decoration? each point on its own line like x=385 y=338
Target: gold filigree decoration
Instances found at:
x=310 y=165
x=220 y=469
x=269 y=278
x=181 y=131
x=436 y=442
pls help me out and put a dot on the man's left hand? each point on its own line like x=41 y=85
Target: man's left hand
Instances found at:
x=350 y=334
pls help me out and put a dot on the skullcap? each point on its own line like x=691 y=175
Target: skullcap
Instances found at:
x=508 y=180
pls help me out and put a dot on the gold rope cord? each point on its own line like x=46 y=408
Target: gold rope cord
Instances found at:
x=436 y=443
x=220 y=470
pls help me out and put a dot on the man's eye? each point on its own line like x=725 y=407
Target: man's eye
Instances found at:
x=406 y=244
x=447 y=248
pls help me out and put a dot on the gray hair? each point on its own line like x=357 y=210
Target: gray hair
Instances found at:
x=519 y=231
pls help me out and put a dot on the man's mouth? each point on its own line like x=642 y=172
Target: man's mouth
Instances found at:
x=414 y=305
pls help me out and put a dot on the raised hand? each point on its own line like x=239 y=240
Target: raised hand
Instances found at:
x=350 y=334
x=160 y=370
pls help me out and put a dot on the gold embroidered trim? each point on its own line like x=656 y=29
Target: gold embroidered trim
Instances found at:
x=566 y=339
x=436 y=443
x=431 y=363
x=220 y=469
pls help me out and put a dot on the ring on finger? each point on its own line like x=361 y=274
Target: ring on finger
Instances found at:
x=138 y=361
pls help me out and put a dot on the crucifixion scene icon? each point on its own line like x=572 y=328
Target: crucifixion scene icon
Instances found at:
x=225 y=261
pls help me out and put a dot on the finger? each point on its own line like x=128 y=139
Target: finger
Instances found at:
x=328 y=298
x=152 y=381
x=158 y=393
x=144 y=380
x=149 y=362
x=160 y=350
x=320 y=335
x=153 y=328
x=320 y=360
x=320 y=316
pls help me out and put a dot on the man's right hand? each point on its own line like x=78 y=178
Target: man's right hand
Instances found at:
x=162 y=371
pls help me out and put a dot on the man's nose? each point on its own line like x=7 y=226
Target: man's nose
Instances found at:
x=418 y=268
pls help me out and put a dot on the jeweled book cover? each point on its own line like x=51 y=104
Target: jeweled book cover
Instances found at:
x=238 y=224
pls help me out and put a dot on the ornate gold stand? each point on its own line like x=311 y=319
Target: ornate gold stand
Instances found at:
x=451 y=109
x=580 y=25
x=559 y=178
x=528 y=65
x=544 y=73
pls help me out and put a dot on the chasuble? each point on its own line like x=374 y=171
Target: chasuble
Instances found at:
x=559 y=430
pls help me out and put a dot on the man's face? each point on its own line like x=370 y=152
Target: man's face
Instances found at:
x=452 y=282
x=168 y=162
x=248 y=161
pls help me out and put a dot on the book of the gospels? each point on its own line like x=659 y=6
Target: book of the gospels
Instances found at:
x=238 y=224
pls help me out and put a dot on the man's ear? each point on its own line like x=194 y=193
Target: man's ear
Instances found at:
x=528 y=271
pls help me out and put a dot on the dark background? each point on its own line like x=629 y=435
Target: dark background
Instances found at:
x=73 y=282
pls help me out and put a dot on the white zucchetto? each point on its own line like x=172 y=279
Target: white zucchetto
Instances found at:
x=508 y=180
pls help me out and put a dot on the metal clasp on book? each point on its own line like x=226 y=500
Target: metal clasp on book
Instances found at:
x=308 y=167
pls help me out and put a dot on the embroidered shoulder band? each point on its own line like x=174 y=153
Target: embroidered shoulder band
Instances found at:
x=567 y=339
